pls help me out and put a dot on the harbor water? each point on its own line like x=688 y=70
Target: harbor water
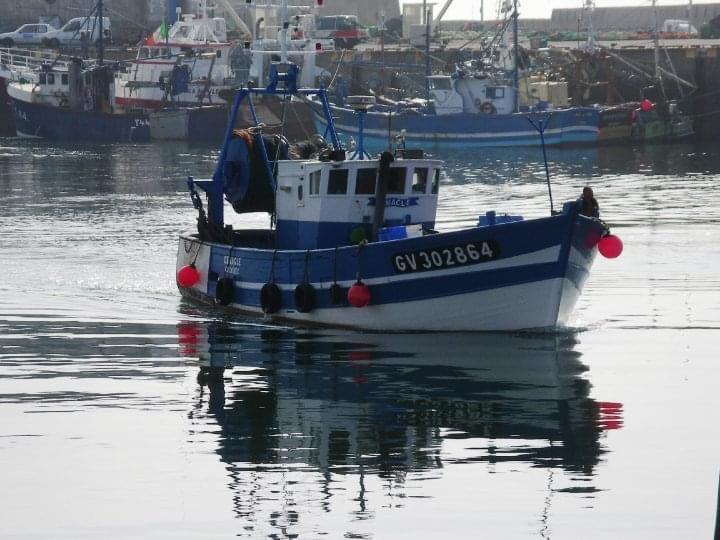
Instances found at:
x=128 y=413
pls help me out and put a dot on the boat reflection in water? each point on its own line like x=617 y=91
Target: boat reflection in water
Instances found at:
x=385 y=405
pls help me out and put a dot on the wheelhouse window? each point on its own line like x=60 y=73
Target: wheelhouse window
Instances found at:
x=315 y=183
x=365 y=182
x=396 y=180
x=42 y=79
x=51 y=78
x=337 y=182
x=495 y=92
x=64 y=79
x=436 y=181
x=420 y=180
x=440 y=83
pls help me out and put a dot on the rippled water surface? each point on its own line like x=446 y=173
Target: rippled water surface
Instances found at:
x=127 y=413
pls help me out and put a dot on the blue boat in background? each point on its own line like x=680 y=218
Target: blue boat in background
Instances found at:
x=469 y=110
x=479 y=105
x=563 y=127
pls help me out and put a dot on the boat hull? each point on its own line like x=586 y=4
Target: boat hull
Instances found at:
x=531 y=279
x=57 y=123
x=564 y=127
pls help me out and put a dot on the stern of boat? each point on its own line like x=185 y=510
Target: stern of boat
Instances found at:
x=193 y=252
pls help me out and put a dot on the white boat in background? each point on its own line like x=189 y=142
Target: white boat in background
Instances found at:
x=183 y=74
x=187 y=64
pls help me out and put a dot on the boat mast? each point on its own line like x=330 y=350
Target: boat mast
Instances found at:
x=428 y=69
x=101 y=41
x=589 y=9
x=284 y=31
x=515 y=78
x=656 y=43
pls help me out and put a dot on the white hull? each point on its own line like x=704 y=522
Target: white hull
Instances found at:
x=517 y=307
x=169 y=125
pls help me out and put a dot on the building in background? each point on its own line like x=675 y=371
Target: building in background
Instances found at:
x=633 y=18
x=367 y=11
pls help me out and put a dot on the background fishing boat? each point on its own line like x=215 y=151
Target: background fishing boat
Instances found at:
x=477 y=105
x=73 y=100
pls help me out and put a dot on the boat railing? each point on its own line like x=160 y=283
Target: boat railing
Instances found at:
x=14 y=60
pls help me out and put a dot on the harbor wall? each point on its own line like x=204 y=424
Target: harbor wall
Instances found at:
x=631 y=18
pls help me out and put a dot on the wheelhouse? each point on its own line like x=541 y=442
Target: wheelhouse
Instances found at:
x=329 y=204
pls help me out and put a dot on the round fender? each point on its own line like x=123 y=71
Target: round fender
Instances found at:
x=488 y=108
x=225 y=291
x=304 y=298
x=336 y=294
x=270 y=298
x=359 y=295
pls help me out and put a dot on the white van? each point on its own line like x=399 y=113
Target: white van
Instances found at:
x=69 y=35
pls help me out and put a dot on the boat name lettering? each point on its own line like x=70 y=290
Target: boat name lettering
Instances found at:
x=445 y=257
x=232 y=265
x=397 y=201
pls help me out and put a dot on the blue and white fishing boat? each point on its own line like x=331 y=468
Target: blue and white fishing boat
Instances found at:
x=479 y=105
x=470 y=112
x=353 y=241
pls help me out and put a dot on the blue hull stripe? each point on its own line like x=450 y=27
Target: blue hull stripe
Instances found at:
x=577 y=125
x=375 y=259
x=542 y=247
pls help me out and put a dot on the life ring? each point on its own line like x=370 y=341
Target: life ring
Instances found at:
x=336 y=294
x=225 y=291
x=304 y=297
x=270 y=298
x=487 y=108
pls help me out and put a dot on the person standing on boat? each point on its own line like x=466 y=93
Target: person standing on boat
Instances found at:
x=589 y=205
x=84 y=45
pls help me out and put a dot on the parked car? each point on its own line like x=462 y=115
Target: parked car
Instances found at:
x=345 y=30
x=27 y=34
x=69 y=35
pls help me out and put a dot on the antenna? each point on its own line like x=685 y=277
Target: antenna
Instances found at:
x=361 y=105
x=541 y=127
x=589 y=9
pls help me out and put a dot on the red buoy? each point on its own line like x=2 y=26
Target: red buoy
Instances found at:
x=188 y=276
x=359 y=295
x=610 y=246
x=646 y=105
